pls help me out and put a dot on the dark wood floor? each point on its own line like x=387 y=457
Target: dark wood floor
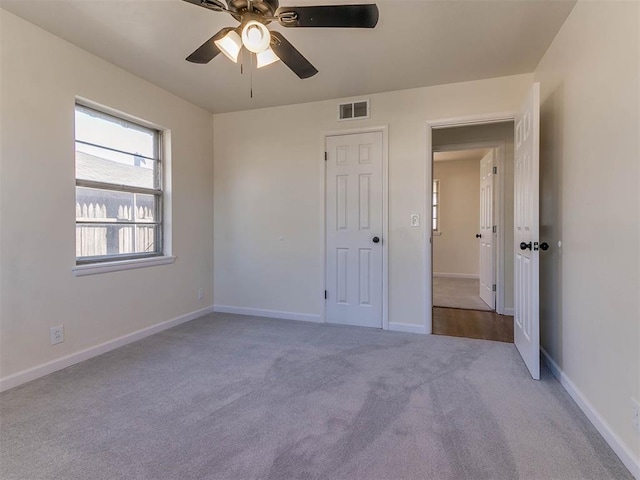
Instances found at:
x=456 y=322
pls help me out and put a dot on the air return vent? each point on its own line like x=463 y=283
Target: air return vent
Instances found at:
x=353 y=110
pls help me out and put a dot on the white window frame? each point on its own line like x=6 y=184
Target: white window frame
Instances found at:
x=435 y=192
x=106 y=263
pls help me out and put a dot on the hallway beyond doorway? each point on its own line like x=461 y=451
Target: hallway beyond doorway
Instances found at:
x=455 y=292
x=455 y=322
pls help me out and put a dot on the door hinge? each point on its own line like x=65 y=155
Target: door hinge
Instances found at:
x=325 y=294
x=495 y=229
x=325 y=156
x=493 y=287
x=495 y=170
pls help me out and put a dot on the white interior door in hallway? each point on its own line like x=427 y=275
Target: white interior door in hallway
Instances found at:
x=354 y=225
x=526 y=231
x=487 y=236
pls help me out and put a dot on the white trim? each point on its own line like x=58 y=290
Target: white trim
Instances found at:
x=508 y=311
x=427 y=234
x=501 y=273
x=617 y=445
x=260 y=312
x=385 y=213
x=53 y=366
x=454 y=147
x=116 y=266
x=385 y=228
x=428 y=237
x=323 y=222
x=472 y=120
x=407 y=328
x=456 y=275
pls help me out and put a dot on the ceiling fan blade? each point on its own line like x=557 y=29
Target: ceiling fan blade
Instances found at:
x=341 y=16
x=215 y=5
x=208 y=50
x=291 y=57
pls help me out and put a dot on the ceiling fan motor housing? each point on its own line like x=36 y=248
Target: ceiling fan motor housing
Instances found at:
x=264 y=7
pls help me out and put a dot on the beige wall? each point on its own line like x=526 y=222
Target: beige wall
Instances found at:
x=492 y=133
x=41 y=75
x=269 y=199
x=456 y=250
x=590 y=154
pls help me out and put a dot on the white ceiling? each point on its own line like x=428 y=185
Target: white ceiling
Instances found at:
x=469 y=154
x=416 y=43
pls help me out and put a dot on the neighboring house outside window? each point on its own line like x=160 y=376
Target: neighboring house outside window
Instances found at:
x=435 y=217
x=119 y=192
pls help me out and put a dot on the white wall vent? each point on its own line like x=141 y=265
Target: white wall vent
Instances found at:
x=353 y=110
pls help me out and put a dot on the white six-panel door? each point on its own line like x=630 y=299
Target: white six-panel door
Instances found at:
x=487 y=243
x=526 y=231
x=354 y=202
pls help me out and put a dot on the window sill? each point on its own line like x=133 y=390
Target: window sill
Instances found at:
x=116 y=266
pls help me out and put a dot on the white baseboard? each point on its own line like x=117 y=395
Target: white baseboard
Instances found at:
x=508 y=311
x=29 y=374
x=305 y=317
x=259 y=312
x=407 y=328
x=456 y=275
x=626 y=455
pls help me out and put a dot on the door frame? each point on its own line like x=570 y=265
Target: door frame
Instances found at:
x=322 y=165
x=499 y=211
x=431 y=125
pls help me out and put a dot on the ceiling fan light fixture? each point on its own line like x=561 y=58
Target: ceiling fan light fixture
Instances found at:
x=266 y=57
x=230 y=45
x=256 y=36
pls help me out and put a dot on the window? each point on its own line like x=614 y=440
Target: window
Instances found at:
x=435 y=218
x=119 y=192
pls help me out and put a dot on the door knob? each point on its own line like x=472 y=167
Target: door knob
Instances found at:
x=376 y=239
x=478 y=235
x=524 y=246
x=544 y=246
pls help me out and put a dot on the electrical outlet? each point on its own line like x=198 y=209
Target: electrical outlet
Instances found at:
x=200 y=293
x=635 y=412
x=415 y=220
x=57 y=334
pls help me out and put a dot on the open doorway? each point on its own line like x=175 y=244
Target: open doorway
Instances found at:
x=472 y=223
x=460 y=211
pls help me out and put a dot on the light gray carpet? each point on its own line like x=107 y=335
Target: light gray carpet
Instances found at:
x=239 y=398
x=458 y=293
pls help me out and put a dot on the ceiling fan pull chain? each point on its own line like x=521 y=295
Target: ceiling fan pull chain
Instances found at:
x=251 y=73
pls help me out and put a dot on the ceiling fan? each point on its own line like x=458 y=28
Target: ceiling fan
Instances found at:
x=271 y=46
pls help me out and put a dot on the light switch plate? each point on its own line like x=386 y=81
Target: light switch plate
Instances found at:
x=415 y=220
